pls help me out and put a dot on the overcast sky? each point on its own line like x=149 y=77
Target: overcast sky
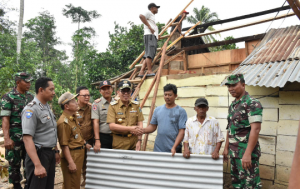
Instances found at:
x=123 y=11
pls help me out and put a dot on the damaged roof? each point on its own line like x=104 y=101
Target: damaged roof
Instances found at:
x=275 y=61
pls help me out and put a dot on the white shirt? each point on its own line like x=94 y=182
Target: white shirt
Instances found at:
x=150 y=17
x=203 y=138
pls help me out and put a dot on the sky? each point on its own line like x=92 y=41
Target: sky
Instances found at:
x=123 y=11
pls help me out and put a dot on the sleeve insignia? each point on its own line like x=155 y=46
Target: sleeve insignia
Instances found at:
x=95 y=107
x=28 y=113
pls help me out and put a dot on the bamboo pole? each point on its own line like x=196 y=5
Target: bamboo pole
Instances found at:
x=240 y=26
x=137 y=89
x=148 y=91
x=294 y=7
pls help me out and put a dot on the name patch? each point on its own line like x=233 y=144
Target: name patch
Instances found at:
x=133 y=111
x=120 y=113
x=28 y=114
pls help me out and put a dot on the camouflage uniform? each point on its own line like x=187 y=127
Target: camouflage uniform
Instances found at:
x=12 y=104
x=241 y=114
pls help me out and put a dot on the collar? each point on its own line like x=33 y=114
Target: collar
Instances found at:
x=15 y=91
x=121 y=103
x=242 y=99
x=71 y=118
x=83 y=108
x=105 y=101
x=42 y=106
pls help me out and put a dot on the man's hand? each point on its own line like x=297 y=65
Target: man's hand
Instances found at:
x=88 y=147
x=97 y=146
x=57 y=158
x=215 y=155
x=137 y=131
x=186 y=154
x=40 y=171
x=225 y=155
x=152 y=30
x=97 y=100
x=246 y=161
x=9 y=144
x=173 y=151
x=72 y=167
x=138 y=146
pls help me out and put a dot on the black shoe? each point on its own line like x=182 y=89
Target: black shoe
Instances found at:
x=17 y=186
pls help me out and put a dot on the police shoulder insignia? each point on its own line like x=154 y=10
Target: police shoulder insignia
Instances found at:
x=31 y=103
x=28 y=113
x=66 y=120
x=135 y=102
x=114 y=103
x=95 y=107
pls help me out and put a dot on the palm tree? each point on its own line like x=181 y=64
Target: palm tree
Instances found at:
x=19 y=38
x=205 y=16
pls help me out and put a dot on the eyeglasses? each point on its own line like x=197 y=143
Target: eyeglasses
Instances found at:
x=128 y=91
x=85 y=96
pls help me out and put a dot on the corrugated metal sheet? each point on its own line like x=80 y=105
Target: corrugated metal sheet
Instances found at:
x=275 y=61
x=131 y=169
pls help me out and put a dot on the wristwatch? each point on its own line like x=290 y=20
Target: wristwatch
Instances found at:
x=57 y=151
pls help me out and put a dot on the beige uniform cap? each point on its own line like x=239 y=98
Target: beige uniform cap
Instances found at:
x=66 y=97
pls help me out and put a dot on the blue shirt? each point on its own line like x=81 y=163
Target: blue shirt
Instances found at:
x=168 y=122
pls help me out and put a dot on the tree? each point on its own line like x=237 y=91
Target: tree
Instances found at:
x=20 y=28
x=224 y=47
x=79 y=15
x=205 y=16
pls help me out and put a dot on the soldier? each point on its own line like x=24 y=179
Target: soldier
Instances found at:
x=99 y=116
x=244 y=124
x=125 y=118
x=85 y=121
x=12 y=104
x=71 y=141
x=40 y=137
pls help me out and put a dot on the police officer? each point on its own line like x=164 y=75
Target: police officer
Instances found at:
x=99 y=116
x=244 y=124
x=40 y=137
x=11 y=106
x=71 y=141
x=84 y=119
x=125 y=118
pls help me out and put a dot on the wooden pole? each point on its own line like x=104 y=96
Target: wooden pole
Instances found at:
x=148 y=92
x=294 y=7
x=240 y=26
x=137 y=89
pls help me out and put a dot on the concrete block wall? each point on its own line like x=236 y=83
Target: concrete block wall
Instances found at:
x=279 y=127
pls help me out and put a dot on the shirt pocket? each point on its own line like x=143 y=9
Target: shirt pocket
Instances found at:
x=120 y=119
x=45 y=118
x=103 y=116
x=75 y=133
x=133 y=119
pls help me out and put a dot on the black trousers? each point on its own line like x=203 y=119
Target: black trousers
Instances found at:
x=47 y=158
x=106 y=140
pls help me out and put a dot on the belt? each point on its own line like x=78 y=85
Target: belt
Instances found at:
x=78 y=148
x=129 y=135
x=48 y=148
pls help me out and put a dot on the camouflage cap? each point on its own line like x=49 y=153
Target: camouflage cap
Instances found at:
x=233 y=79
x=23 y=75
x=66 y=97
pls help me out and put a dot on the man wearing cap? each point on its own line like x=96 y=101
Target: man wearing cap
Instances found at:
x=83 y=116
x=244 y=124
x=40 y=137
x=177 y=33
x=11 y=106
x=102 y=132
x=150 y=38
x=125 y=118
x=202 y=133
x=71 y=141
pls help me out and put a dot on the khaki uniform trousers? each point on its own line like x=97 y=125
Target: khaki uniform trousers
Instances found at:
x=124 y=142
x=72 y=180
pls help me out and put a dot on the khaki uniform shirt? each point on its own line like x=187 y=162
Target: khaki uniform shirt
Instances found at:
x=83 y=116
x=68 y=131
x=127 y=116
x=99 y=111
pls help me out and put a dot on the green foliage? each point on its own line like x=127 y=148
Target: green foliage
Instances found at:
x=224 y=47
x=205 y=16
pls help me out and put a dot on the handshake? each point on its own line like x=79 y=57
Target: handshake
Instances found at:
x=137 y=131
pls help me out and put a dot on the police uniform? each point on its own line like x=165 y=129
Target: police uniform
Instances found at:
x=99 y=111
x=126 y=116
x=86 y=127
x=69 y=134
x=39 y=122
x=241 y=114
x=11 y=105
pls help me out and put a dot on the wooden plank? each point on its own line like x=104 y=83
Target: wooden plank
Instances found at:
x=267 y=172
x=267 y=144
x=289 y=112
x=191 y=92
x=216 y=70
x=284 y=158
x=216 y=90
x=267 y=159
x=288 y=127
x=200 y=80
x=294 y=7
x=283 y=173
x=286 y=143
x=289 y=97
x=241 y=26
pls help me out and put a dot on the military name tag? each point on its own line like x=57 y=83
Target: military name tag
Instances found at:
x=78 y=117
x=76 y=136
x=120 y=113
x=133 y=111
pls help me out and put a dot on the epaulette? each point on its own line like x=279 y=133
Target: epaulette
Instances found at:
x=31 y=103
x=114 y=103
x=135 y=102
x=66 y=120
